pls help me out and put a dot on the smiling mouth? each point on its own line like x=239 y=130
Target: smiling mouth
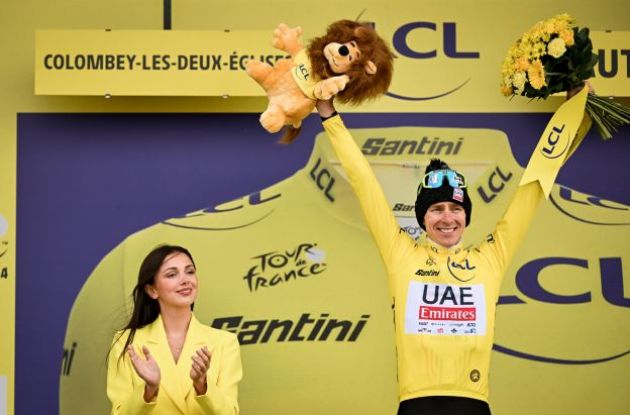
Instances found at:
x=186 y=291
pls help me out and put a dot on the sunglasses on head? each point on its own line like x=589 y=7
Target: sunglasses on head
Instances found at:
x=434 y=179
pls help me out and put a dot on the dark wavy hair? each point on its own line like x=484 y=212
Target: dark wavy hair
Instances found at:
x=145 y=308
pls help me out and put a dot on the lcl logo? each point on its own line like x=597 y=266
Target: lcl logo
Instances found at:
x=610 y=274
x=555 y=140
x=189 y=221
x=588 y=209
x=253 y=199
x=323 y=179
x=449 y=41
x=528 y=283
x=446 y=39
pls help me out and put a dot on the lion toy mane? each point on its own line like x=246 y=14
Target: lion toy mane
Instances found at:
x=350 y=62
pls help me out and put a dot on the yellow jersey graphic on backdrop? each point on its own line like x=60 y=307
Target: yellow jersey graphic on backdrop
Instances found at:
x=293 y=271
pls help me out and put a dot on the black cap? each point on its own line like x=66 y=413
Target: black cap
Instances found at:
x=445 y=193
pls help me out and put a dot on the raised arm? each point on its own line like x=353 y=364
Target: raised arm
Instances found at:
x=501 y=245
x=536 y=182
x=380 y=220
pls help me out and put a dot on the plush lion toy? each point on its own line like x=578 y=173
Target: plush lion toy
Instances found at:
x=350 y=61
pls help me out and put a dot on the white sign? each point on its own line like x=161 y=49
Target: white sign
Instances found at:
x=445 y=309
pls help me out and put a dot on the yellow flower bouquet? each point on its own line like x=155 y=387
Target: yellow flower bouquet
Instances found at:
x=554 y=56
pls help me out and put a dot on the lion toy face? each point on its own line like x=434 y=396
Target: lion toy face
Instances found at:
x=354 y=49
x=341 y=55
x=350 y=61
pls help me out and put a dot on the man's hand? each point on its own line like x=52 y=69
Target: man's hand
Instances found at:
x=575 y=91
x=325 y=108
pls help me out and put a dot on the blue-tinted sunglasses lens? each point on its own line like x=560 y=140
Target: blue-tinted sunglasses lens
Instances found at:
x=434 y=179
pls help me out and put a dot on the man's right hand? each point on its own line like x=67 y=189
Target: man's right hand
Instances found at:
x=325 y=108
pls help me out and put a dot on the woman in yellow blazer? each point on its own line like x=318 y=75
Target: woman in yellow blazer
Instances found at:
x=165 y=362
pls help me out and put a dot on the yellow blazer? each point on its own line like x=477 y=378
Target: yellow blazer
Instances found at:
x=125 y=389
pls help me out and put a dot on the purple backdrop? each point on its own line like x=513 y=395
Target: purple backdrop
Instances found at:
x=87 y=181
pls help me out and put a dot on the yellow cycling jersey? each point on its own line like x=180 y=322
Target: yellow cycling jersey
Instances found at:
x=444 y=299
x=303 y=75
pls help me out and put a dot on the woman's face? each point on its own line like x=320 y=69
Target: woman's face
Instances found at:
x=175 y=284
x=445 y=223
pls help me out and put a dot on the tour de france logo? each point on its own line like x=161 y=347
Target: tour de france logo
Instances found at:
x=278 y=267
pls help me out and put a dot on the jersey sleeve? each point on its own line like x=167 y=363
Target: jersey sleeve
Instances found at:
x=501 y=245
x=509 y=233
x=379 y=217
x=539 y=175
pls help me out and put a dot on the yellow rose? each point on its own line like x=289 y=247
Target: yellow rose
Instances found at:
x=556 y=47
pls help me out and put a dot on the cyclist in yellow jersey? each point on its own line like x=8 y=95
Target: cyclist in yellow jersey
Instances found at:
x=444 y=296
